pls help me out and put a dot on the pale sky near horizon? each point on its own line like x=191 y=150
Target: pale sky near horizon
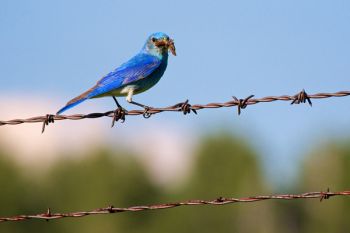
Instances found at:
x=57 y=49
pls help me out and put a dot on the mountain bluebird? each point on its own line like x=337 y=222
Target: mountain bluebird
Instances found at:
x=137 y=75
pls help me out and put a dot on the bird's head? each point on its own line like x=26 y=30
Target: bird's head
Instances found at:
x=159 y=43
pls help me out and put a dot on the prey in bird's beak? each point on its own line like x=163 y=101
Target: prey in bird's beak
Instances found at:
x=168 y=44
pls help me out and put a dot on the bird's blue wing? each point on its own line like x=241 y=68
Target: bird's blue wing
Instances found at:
x=135 y=69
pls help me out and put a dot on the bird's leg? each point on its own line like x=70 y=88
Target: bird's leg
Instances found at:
x=117 y=103
x=119 y=113
x=141 y=105
x=146 y=114
x=129 y=99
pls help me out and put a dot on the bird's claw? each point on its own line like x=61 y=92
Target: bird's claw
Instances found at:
x=146 y=114
x=119 y=114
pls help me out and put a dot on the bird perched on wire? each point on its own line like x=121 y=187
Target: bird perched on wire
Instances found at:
x=137 y=75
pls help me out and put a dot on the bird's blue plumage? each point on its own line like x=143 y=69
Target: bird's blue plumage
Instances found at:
x=134 y=76
x=137 y=68
x=71 y=105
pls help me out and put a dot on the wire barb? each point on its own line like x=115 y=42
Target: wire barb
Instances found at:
x=48 y=214
x=49 y=119
x=183 y=107
x=218 y=201
x=118 y=114
x=110 y=209
x=186 y=108
x=325 y=195
x=242 y=103
x=301 y=97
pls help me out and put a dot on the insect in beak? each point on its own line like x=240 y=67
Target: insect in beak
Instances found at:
x=171 y=47
x=169 y=44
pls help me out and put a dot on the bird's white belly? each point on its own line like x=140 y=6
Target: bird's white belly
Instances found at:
x=124 y=91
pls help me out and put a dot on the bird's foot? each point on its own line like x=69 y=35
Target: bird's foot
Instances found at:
x=140 y=105
x=146 y=113
x=119 y=114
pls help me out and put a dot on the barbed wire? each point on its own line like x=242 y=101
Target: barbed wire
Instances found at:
x=184 y=107
x=48 y=215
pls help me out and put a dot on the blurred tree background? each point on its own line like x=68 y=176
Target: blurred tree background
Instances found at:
x=224 y=166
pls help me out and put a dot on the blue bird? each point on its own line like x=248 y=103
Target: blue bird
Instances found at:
x=137 y=75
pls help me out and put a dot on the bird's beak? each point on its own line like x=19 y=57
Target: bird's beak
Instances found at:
x=169 y=44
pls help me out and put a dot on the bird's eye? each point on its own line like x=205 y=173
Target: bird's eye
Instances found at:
x=154 y=39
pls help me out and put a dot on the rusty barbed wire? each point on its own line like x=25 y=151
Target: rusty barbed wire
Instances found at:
x=184 y=107
x=48 y=215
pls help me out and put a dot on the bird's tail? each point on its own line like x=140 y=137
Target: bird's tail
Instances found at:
x=77 y=100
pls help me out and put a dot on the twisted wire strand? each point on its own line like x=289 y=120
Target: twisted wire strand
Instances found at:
x=48 y=215
x=184 y=107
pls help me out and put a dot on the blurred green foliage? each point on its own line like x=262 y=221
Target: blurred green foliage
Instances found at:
x=327 y=166
x=224 y=166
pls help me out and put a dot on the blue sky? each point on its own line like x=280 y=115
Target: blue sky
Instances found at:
x=57 y=49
